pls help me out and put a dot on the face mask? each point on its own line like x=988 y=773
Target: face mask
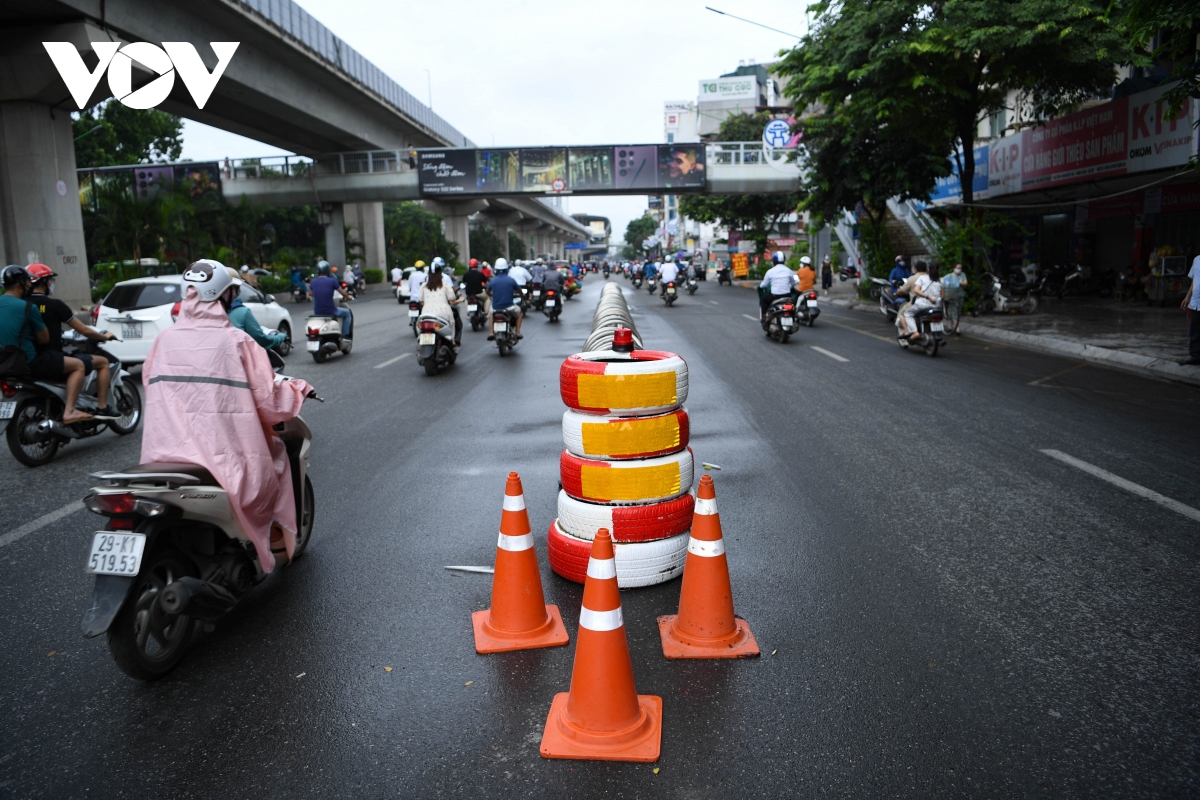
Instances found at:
x=958 y=272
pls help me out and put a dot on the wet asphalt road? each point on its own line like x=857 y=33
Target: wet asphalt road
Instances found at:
x=943 y=610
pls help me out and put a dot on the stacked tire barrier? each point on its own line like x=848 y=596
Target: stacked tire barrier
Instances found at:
x=626 y=466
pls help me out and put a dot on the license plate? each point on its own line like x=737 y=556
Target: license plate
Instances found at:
x=472 y=309
x=671 y=290
x=936 y=327
x=8 y=409
x=312 y=347
x=812 y=303
x=116 y=553
x=785 y=322
x=549 y=304
x=501 y=327
x=536 y=293
x=131 y=330
x=413 y=314
x=427 y=338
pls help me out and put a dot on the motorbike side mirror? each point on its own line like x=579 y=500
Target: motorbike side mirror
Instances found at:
x=276 y=360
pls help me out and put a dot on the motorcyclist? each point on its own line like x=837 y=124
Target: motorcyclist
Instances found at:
x=670 y=273
x=243 y=320
x=415 y=280
x=908 y=293
x=439 y=299
x=538 y=271
x=776 y=283
x=523 y=277
x=323 y=286
x=448 y=280
x=900 y=273
x=248 y=276
x=651 y=270
x=503 y=291
x=55 y=313
x=474 y=285
x=212 y=399
x=552 y=280
x=806 y=276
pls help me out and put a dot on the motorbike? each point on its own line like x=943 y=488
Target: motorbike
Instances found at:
x=504 y=326
x=637 y=281
x=535 y=293
x=606 y=272
x=348 y=288
x=1011 y=299
x=476 y=314
x=889 y=302
x=652 y=284
x=724 y=277
x=669 y=294
x=570 y=289
x=173 y=556
x=299 y=293
x=929 y=324
x=1082 y=281
x=31 y=410
x=847 y=273
x=435 y=343
x=552 y=306
x=780 y=321
x=414 y=311
x=325 y=337
x=877 y=287
x=808 y=307
x=693 y=283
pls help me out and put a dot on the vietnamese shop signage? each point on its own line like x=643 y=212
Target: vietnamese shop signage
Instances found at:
x=1121 y=137
x=609 y=169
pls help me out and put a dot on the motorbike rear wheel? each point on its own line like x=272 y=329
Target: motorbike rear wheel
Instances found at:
x=304 y=520
x=128 y=401
x=146 y=643
x=28 y=445
x=503 y=349
x=930 y=346
x=431 y=366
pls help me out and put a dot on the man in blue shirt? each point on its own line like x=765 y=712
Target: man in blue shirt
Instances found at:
x=322 y=287
x=298 y=281
x=503 y=290
x=900 y=273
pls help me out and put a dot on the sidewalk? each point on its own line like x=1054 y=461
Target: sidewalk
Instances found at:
x=1128 y=336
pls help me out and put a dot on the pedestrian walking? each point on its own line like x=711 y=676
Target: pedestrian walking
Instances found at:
x=1191 y=302
x=827 y=273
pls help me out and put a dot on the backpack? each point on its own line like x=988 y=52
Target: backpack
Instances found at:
x=12 y=357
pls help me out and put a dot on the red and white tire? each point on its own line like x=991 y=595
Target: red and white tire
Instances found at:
x=626 y=523
x=644 y=383
x=637 y=482
x=591 y=436
x=639 y=564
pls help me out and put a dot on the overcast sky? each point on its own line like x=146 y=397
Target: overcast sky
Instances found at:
x=540 y=72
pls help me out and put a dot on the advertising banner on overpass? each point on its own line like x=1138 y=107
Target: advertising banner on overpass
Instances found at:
x=608 y=169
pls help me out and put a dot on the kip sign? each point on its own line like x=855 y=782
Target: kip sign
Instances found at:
x=172 y=58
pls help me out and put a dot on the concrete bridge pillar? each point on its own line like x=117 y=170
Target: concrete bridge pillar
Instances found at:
x=40 y=217
x=366 y=226
x=334 y=219
x=454 y=217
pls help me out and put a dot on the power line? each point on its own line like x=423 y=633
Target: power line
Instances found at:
x=752 y=22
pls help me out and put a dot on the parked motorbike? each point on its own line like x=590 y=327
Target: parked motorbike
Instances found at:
x=669 y=294
x=1012 y=299
x=877 y=287
x=889 y=302
x=173 y=554
x=847 y=273
x=504 y=327
x=325 y=337
x=780 y=321
x=552 y=305
x=808 y=307
x=435 y=343
x=929 y=325
x=31 y=410
x=693 y=283
x=414 y=311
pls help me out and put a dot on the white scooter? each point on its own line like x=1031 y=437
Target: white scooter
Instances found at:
x=435 y=343
x=324 y=334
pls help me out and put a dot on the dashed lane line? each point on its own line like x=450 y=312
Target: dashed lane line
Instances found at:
x=859 y=330
x=714 y=302
x=825 y=352
x=752 y=319
x=1040 y=381
x=1129 y=486
x=36 y=525
x=391 y=361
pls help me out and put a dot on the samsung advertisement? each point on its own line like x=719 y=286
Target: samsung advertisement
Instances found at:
x=620 y=169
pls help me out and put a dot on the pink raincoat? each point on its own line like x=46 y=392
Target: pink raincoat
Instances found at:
x=211 y=399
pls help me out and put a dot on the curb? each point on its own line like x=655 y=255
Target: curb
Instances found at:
x=1146 y=366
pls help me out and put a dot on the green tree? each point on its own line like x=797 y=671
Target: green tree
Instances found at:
x=1162 y=34
x=413 y=232
x=112 y=134
x=516 y=245
x=756 y=215
x=934 y=71
x=485 y=244
x=637 y=231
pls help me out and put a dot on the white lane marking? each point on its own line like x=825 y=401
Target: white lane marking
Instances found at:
x=391 y=361
x=39 y=523
x=714 y=302
x=1129 y=486
x=825 y=352
x=752 y=319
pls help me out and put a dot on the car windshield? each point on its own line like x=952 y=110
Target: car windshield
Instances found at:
x=132 y=296
x=249 y=294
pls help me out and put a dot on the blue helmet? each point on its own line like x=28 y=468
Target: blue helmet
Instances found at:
x=778 y=257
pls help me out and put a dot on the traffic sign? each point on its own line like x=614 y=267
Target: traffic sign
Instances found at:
x=558 y=185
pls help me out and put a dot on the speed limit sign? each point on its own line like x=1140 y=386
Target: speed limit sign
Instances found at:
x=559 y=185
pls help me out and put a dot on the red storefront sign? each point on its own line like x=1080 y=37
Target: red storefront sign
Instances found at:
x=1086 y=144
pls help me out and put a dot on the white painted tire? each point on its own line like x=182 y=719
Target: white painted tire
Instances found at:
x=624 y=483
x=641 y=383
x=640 y=564
x=619 y=438
x=626 y=523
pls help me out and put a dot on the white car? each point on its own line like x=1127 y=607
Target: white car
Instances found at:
x=138 y=310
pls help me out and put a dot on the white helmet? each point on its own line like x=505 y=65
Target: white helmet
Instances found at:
x=670 y=258
x=438 y=263
x=210 y=278
x=806 y=261
x=245 y=268
x=501 y=265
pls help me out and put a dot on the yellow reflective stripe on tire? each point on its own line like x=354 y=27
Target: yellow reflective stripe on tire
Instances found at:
x=634 y=483
x=631 y=436
x=627 y=391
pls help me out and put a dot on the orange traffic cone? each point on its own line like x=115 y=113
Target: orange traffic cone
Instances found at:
x=519 y=618
x=603 y=718
x=705 y=626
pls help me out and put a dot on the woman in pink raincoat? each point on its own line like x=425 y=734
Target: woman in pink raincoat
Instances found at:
x=211 y=400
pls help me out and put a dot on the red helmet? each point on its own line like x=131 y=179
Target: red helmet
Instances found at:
x=474 y=263
x=40 y=272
